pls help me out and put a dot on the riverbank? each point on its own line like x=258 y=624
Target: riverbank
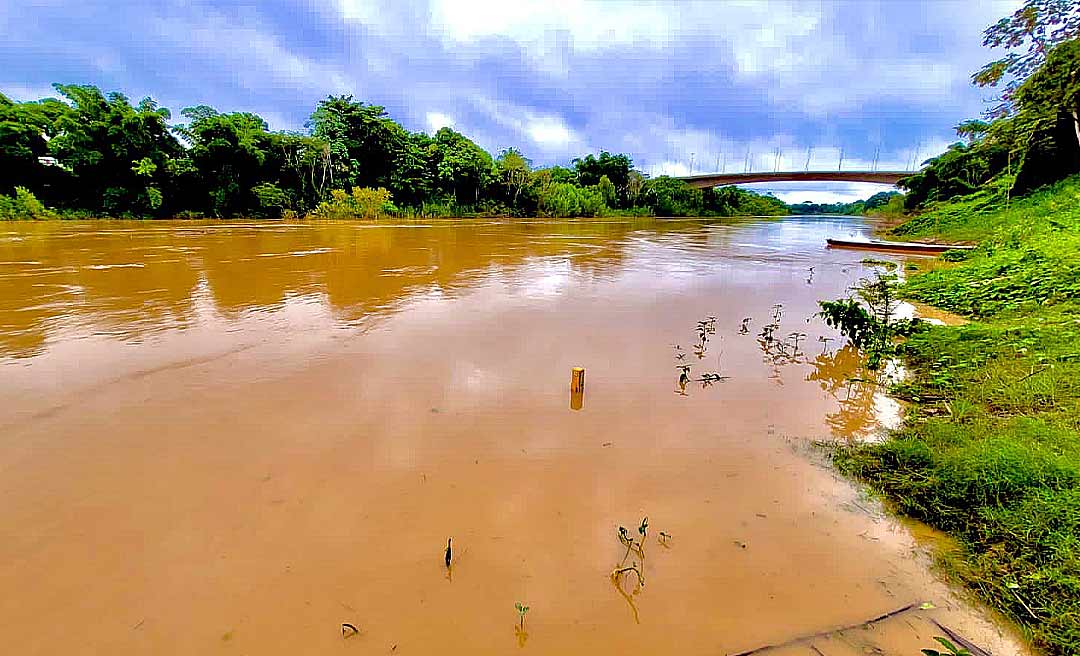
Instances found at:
x=990 y=450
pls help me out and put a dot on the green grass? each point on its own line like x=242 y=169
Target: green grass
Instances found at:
x=990 y=450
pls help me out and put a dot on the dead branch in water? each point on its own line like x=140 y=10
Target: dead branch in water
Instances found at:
x=821 y=634
x=961 y=640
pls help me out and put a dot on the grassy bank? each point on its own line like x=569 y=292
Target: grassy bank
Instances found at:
x=990 y=451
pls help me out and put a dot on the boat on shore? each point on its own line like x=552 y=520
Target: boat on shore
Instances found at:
x=895 y=246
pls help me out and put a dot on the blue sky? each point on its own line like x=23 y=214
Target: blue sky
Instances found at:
x=670 y=83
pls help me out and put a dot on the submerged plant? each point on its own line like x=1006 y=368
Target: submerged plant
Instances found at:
x=632 y=546
x=522 y=610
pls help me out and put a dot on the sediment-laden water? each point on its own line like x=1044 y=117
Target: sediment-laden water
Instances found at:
x=235 y=437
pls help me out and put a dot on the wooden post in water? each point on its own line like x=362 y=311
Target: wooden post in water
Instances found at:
x=577 y=379
x=577 y=388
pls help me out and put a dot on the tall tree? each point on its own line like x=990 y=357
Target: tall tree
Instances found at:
x=462 y=169
x=514 y=169
x=364 y=142
x=117 y=152
x=25 y=130
x=1033 y=29
x=616 y=167
x=229 y=152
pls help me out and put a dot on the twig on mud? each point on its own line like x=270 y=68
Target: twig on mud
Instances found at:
x=961 y=640
x=820 y=634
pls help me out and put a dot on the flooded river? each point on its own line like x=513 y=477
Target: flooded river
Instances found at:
x=237 y=437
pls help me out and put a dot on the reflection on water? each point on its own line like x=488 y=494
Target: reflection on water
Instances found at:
x=230 y=436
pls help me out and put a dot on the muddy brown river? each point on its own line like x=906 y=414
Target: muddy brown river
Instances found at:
x=236 y=437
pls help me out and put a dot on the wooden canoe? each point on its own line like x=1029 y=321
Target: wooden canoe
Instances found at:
x=895 y=246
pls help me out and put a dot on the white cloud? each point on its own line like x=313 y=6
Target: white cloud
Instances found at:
x=548 y=132
x=438 y=120
x=261 y=52
x=590 y=25
x=23 y=93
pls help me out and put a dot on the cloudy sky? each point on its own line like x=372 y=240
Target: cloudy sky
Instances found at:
x=715 y=85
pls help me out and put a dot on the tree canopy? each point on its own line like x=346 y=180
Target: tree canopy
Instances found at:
x=96 y=154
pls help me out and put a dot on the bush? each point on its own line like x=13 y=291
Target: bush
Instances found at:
x=363 y=202
x=566 y=200
x=272 y=200
x=23 y=206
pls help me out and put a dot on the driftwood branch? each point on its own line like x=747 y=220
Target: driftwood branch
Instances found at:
x=962 y=641
x=820 y=634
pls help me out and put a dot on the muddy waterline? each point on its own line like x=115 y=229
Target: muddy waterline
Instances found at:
x=234 y=437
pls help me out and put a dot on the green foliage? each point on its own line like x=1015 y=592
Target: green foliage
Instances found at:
x=22 y=205
x=950 y=649
x=991 y=448
x=361 y=140
x=671 y=197
x=1027 y=261
x=733 y=201
x=25 y=130
x=591 y=170
x=857 y=208
x=115 y=151
x=962 y=169
x=869 y=320
x=1039 y=25
x=273 y=201
x=1035 y=137
x=513 y=172
x=568 y=200
x=462 y=169
x=362 y=203
x=607 y=191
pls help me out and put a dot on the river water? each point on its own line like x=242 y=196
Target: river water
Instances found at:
x=235 y=437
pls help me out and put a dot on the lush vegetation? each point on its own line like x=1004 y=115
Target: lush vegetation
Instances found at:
x=877 y=202
x=1033 y=137
x=87 y=153
x=991 y=448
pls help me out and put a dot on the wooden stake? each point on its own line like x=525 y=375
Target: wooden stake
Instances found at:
x=577 y=379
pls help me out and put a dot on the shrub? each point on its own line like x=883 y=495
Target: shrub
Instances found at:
x=23 y=206
x=363 y=202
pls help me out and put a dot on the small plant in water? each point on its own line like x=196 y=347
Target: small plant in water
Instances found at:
x=868 y=318
x=952 y=650
x=522 y=610
x=632 y=546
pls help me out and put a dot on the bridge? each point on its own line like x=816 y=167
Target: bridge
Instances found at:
x=722 y=179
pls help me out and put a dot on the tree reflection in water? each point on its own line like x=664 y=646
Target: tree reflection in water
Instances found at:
x=842 y=375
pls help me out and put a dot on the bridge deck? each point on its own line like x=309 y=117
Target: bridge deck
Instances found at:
x=721 y=179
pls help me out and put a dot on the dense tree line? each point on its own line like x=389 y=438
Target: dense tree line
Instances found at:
x=95 y=154
x=1032 y=135
x=878 y=201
